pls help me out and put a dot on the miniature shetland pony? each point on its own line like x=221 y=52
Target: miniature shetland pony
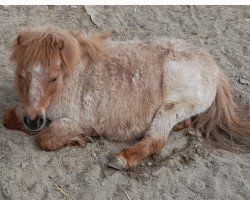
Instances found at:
x=123 y=90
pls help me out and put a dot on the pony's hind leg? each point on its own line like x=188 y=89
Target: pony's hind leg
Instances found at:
x=129 y=157
x=182 y=125
x=154 y=139
x=61 y=133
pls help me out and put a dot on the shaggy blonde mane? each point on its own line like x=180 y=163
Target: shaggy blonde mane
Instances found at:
x=92 y=46
x=47 y=46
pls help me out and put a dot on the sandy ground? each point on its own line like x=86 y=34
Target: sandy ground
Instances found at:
x=184 y=169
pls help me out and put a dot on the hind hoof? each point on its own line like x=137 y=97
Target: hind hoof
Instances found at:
x=118 y=163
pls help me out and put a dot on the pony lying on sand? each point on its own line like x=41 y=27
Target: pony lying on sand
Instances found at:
x=123 y=90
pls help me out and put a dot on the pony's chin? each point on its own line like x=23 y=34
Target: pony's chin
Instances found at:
x=35 y=131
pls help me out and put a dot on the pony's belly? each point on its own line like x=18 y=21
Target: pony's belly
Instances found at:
x=122 y=127
x=108 y=128
x=124 y=134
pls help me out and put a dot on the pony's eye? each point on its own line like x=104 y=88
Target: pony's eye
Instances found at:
x=53 y=80
x=20 y=76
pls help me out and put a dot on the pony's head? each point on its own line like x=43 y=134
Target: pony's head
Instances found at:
x=44 y=58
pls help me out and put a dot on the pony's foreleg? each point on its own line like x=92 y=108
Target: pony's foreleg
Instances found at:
x=154 y=139
x=12 y=119
x=61 y=133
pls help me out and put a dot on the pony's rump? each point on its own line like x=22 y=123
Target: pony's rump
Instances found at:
x=224 y=125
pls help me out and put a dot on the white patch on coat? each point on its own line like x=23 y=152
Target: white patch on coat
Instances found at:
x=189 y=89
x=36 y=89
x=38 y=69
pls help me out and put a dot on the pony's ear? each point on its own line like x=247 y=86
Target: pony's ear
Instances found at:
x=69 y=52
x=16 y=45
x=54 y=41
x=19 y=39
x=22 y=37
x=60 y=45
x=68 y=49
x=93 y=45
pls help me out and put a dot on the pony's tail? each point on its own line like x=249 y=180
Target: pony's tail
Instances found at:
x=224 y=125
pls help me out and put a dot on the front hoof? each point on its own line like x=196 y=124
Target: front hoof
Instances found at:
x=118 y=163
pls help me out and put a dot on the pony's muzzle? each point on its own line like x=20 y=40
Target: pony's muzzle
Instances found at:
x=35 y=124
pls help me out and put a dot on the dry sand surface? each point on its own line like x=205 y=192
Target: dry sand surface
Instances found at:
x=184 y=169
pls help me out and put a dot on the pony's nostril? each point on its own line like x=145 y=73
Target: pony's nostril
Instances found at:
x=40 y=121
x=26 y=120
